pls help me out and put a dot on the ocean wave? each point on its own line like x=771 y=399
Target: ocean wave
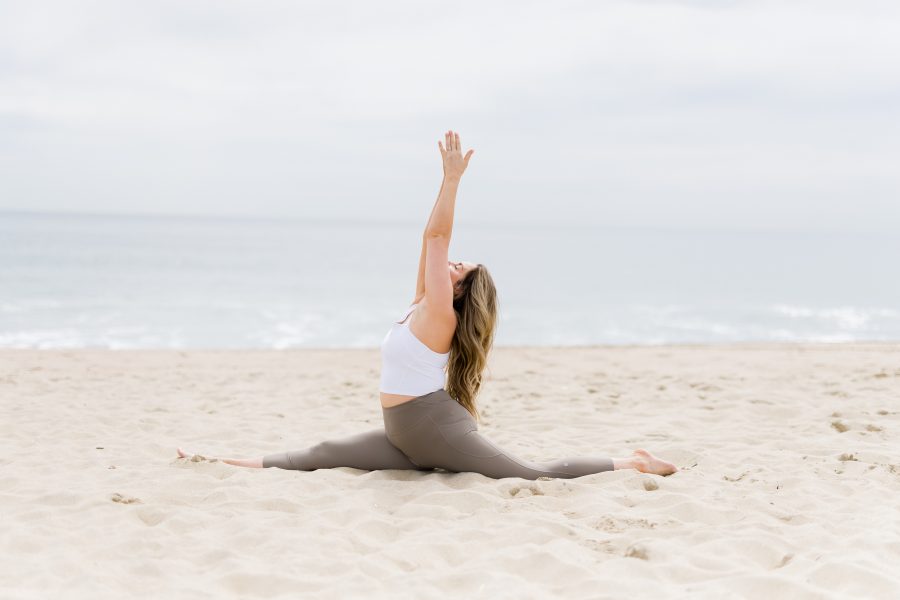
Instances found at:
x=843 y=317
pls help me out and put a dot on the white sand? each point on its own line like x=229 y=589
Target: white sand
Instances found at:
x=790 y=459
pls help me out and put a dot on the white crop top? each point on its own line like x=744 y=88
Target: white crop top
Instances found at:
x=408 y=366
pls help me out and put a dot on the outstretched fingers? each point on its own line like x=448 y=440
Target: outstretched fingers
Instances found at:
x=451 y=149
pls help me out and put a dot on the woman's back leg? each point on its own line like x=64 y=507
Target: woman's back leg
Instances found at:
x=461 y=448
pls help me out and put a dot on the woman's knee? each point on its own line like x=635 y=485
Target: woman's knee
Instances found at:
x=317 y=456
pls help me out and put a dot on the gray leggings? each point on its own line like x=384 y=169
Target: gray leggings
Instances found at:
x=427 y=432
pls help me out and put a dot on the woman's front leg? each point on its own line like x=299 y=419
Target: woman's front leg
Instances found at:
x=238 y=462
x=368 y=450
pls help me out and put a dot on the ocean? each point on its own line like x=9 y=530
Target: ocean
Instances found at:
x=122 y=282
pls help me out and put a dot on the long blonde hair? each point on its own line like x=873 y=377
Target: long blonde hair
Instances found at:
x=475 y=305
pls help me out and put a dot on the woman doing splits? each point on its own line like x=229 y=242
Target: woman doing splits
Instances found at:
x=432 y=364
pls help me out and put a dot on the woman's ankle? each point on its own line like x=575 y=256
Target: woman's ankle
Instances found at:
x=632 y=462
x=623 y=463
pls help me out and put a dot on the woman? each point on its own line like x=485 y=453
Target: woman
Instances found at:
x=429 y=422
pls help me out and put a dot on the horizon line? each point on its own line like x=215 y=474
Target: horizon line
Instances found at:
x=578 y=224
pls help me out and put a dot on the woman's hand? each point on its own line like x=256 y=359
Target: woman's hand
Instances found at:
x=454 y=162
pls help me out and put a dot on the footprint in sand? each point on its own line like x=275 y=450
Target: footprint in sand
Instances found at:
x=785 y=560
x=650 y=485
x=637 y=551
x=839 y=426
x=524 y=491
x=117 y=497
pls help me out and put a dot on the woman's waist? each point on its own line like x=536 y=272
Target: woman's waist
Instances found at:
x=391 y=400
x=397 y=401
x=437 y=409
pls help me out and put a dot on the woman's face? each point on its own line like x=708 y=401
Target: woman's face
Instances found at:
x=458 y=270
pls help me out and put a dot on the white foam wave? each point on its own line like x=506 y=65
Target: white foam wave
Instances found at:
x=844 y=317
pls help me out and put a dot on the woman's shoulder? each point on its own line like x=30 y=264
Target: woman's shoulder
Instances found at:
x=436 y=331
x=432 y=316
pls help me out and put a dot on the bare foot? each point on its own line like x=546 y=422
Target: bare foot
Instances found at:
x=647 y=463
x=238 y=462
x=193 y=457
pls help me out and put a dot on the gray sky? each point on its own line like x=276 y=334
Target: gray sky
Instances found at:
x=752 y=115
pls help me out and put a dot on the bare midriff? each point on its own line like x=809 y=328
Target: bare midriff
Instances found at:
x=429 y=335
x=389 y=400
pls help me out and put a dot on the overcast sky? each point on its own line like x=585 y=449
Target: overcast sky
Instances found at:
x=752 y=115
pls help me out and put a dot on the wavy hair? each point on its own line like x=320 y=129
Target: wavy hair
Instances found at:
x=475 y=305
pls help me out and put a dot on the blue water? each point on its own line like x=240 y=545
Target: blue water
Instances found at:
x=88 y=281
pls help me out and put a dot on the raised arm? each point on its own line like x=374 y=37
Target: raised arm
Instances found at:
x=454 y=166
x=438 y=287
x=420 y=280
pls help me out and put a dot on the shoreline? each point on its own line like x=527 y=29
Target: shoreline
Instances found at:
x=737 y=345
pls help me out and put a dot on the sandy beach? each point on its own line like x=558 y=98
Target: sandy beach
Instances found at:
x=789 y=481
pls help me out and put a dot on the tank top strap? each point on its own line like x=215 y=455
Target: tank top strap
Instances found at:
x=408 y=312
